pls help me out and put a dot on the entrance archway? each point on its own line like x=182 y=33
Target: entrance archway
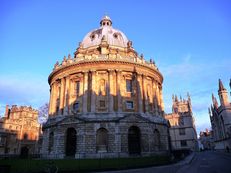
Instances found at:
x=24 y=152
x=70 y=142
x=134 y=140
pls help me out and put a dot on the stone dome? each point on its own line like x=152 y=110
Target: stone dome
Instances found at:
x=113 y=36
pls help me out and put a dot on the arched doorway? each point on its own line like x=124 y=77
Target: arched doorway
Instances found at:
x=156 y=139
x=102 y=140
x=24 y=152
x=70 y=142
x=134 y=140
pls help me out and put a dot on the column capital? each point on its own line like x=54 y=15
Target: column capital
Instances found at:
x=85 y=71
x=118 y=70
x=111 y=71
x=93 y=71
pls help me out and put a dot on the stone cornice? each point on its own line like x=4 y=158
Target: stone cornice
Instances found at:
x=106 y=61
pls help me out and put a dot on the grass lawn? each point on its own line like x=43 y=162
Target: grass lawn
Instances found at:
x=81 y=165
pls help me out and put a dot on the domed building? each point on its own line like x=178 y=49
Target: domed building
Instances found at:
x=106 y=101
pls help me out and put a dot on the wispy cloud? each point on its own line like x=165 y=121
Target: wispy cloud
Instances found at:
x=23 y=89
x=199 y=78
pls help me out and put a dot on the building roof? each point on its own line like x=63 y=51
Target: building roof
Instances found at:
x=113 y=36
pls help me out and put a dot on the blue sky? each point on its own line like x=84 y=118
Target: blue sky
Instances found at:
x=190 y=42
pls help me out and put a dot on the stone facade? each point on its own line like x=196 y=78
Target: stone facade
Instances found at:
x=206 y=139
x=106 y=101
x=220 y=117
x=182 y=125
x=19 y=130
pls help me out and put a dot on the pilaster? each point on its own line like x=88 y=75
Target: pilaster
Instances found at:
x=93 y=90
x=118 y=90
x=62 y=97
x=66 y=95
x=139 y=93
x=85 y=91
x=111 y=90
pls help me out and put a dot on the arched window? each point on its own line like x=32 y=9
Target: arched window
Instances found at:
x=134 y=140
x=76 y=106
x=51 y=142
x=156 y=139
x=102 y=140
x=71 y=142
x=25 y=136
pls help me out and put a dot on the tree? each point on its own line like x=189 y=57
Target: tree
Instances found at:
x=43 y=113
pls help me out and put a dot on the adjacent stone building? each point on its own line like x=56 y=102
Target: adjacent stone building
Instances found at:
x=19 y=131
x=106 y=101
x=182 y=125
x=206 y=139
x=220 y=117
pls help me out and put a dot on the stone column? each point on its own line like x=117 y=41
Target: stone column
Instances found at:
x=62 y=97
x=66 y=95
x=118 y=91
x=145 y=90
x=85 y=91
x=51 y=99
x=55 y=97
x=143 y=94
x=161 y=100
x=139 y=93
x=93 y=91
x=158 y=98
x=155 y=111
x=111 y=91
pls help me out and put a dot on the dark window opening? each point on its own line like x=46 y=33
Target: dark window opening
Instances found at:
x=76 y=106
x=128 y=85
x=182 y=131
x=102 y=103
x=25 y=136
x=183 y=143
x=129 y=105
x=77 y=88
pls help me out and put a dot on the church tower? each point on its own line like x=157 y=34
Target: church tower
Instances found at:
x=223 y=94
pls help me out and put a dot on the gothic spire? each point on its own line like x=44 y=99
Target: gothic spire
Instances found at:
x=221 y=86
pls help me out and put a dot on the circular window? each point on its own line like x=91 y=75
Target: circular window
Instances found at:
x=115 y=35
x=92 y=37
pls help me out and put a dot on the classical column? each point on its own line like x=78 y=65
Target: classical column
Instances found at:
x=93 y=91
x=111 y=91
x=54 y=98
x=158 y=98
x=51 y=97
x=85 y=91
x=66 y=95
x=155 y=98
x=118 y=90
x=143 y=93
x=161 y=99
x=62 y=97
x=139 y=93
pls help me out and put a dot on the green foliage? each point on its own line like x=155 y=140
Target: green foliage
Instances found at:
x=82 y=165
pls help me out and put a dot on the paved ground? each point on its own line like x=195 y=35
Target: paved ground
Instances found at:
x=203 y=162
x=208 y=162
